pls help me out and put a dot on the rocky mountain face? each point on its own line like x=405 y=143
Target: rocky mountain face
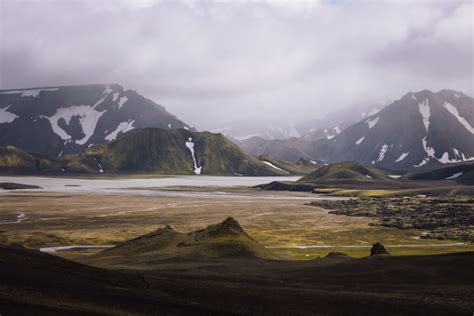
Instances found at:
x=295 y=141
x=421 y=129
x=60 y=120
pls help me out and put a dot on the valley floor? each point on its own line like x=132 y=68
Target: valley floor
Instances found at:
x=422 y=277
x=278 y=220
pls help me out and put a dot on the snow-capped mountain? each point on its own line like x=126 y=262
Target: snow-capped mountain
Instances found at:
x=66 y=119
x=335 y=122
x=421 y=129
x=310 y=130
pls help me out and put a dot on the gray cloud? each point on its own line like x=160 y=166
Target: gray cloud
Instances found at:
x=214 y=61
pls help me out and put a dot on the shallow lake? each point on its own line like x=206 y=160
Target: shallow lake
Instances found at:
x=60 y=184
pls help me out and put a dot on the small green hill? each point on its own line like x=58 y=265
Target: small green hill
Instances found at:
x=15 y=160
x=345 y=171
x=177 y=151
x=223 y=240
x=463 y=173
x=300 y=167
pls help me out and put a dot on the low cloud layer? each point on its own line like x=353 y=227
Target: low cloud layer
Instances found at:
x=216 y=61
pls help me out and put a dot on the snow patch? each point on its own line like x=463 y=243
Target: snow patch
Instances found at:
x=373 y=122
x=101 y=169
x=186 y=128
x=190 y=145
x=7 y=117
x=414 y=97
x=459 y=157
x=360 y=140
x=121 y=128
x=457 y=95
x=122 y=101
x=402 y=156
x=273 y=166
x=368 y=176
x=107 y=90
x=330 y=136
x=338 y=131
x=394 y=176
x=246 y=136
x=425 y=112
x=454 y=176
x=383 y=151
x=429 y=150
x=115 y=96
x=29 y=92
x=422 y=163
x=88 y=118
x=452 y=109
x=374 y=111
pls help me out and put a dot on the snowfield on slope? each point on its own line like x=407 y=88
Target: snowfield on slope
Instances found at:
x=373 y=122
x=424 y=108
x=273 y=166
x=452 y=109
x=190 y=145
x=122 y=127
x=7 y=117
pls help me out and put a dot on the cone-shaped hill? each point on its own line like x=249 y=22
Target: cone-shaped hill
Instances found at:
x=223 y=240
x=345 y=171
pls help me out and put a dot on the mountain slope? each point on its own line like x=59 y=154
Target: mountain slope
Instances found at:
x=345 y=171
x=463 y=173
x=223 y=240
x=177 y=151
x=67 y=119
x=17 y=161
x=302 y=166
x=420 y=129
x=290 y=149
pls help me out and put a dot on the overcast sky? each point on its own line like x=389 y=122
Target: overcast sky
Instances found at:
x=215 y=61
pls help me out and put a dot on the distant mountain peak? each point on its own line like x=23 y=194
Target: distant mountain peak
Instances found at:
x=421 y=129
x=66 y=119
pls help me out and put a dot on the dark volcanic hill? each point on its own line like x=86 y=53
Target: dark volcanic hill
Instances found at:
x=345 y=171
x=61 y=120
x=422 y=129
x=176 y=151
x=463 y=173
x=223 y=240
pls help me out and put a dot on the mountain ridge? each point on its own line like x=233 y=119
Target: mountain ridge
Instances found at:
x=59 y=120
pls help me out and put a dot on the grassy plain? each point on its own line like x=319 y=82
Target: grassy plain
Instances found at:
x=279 y=220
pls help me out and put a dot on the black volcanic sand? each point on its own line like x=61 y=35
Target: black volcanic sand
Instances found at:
x=42 y=284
